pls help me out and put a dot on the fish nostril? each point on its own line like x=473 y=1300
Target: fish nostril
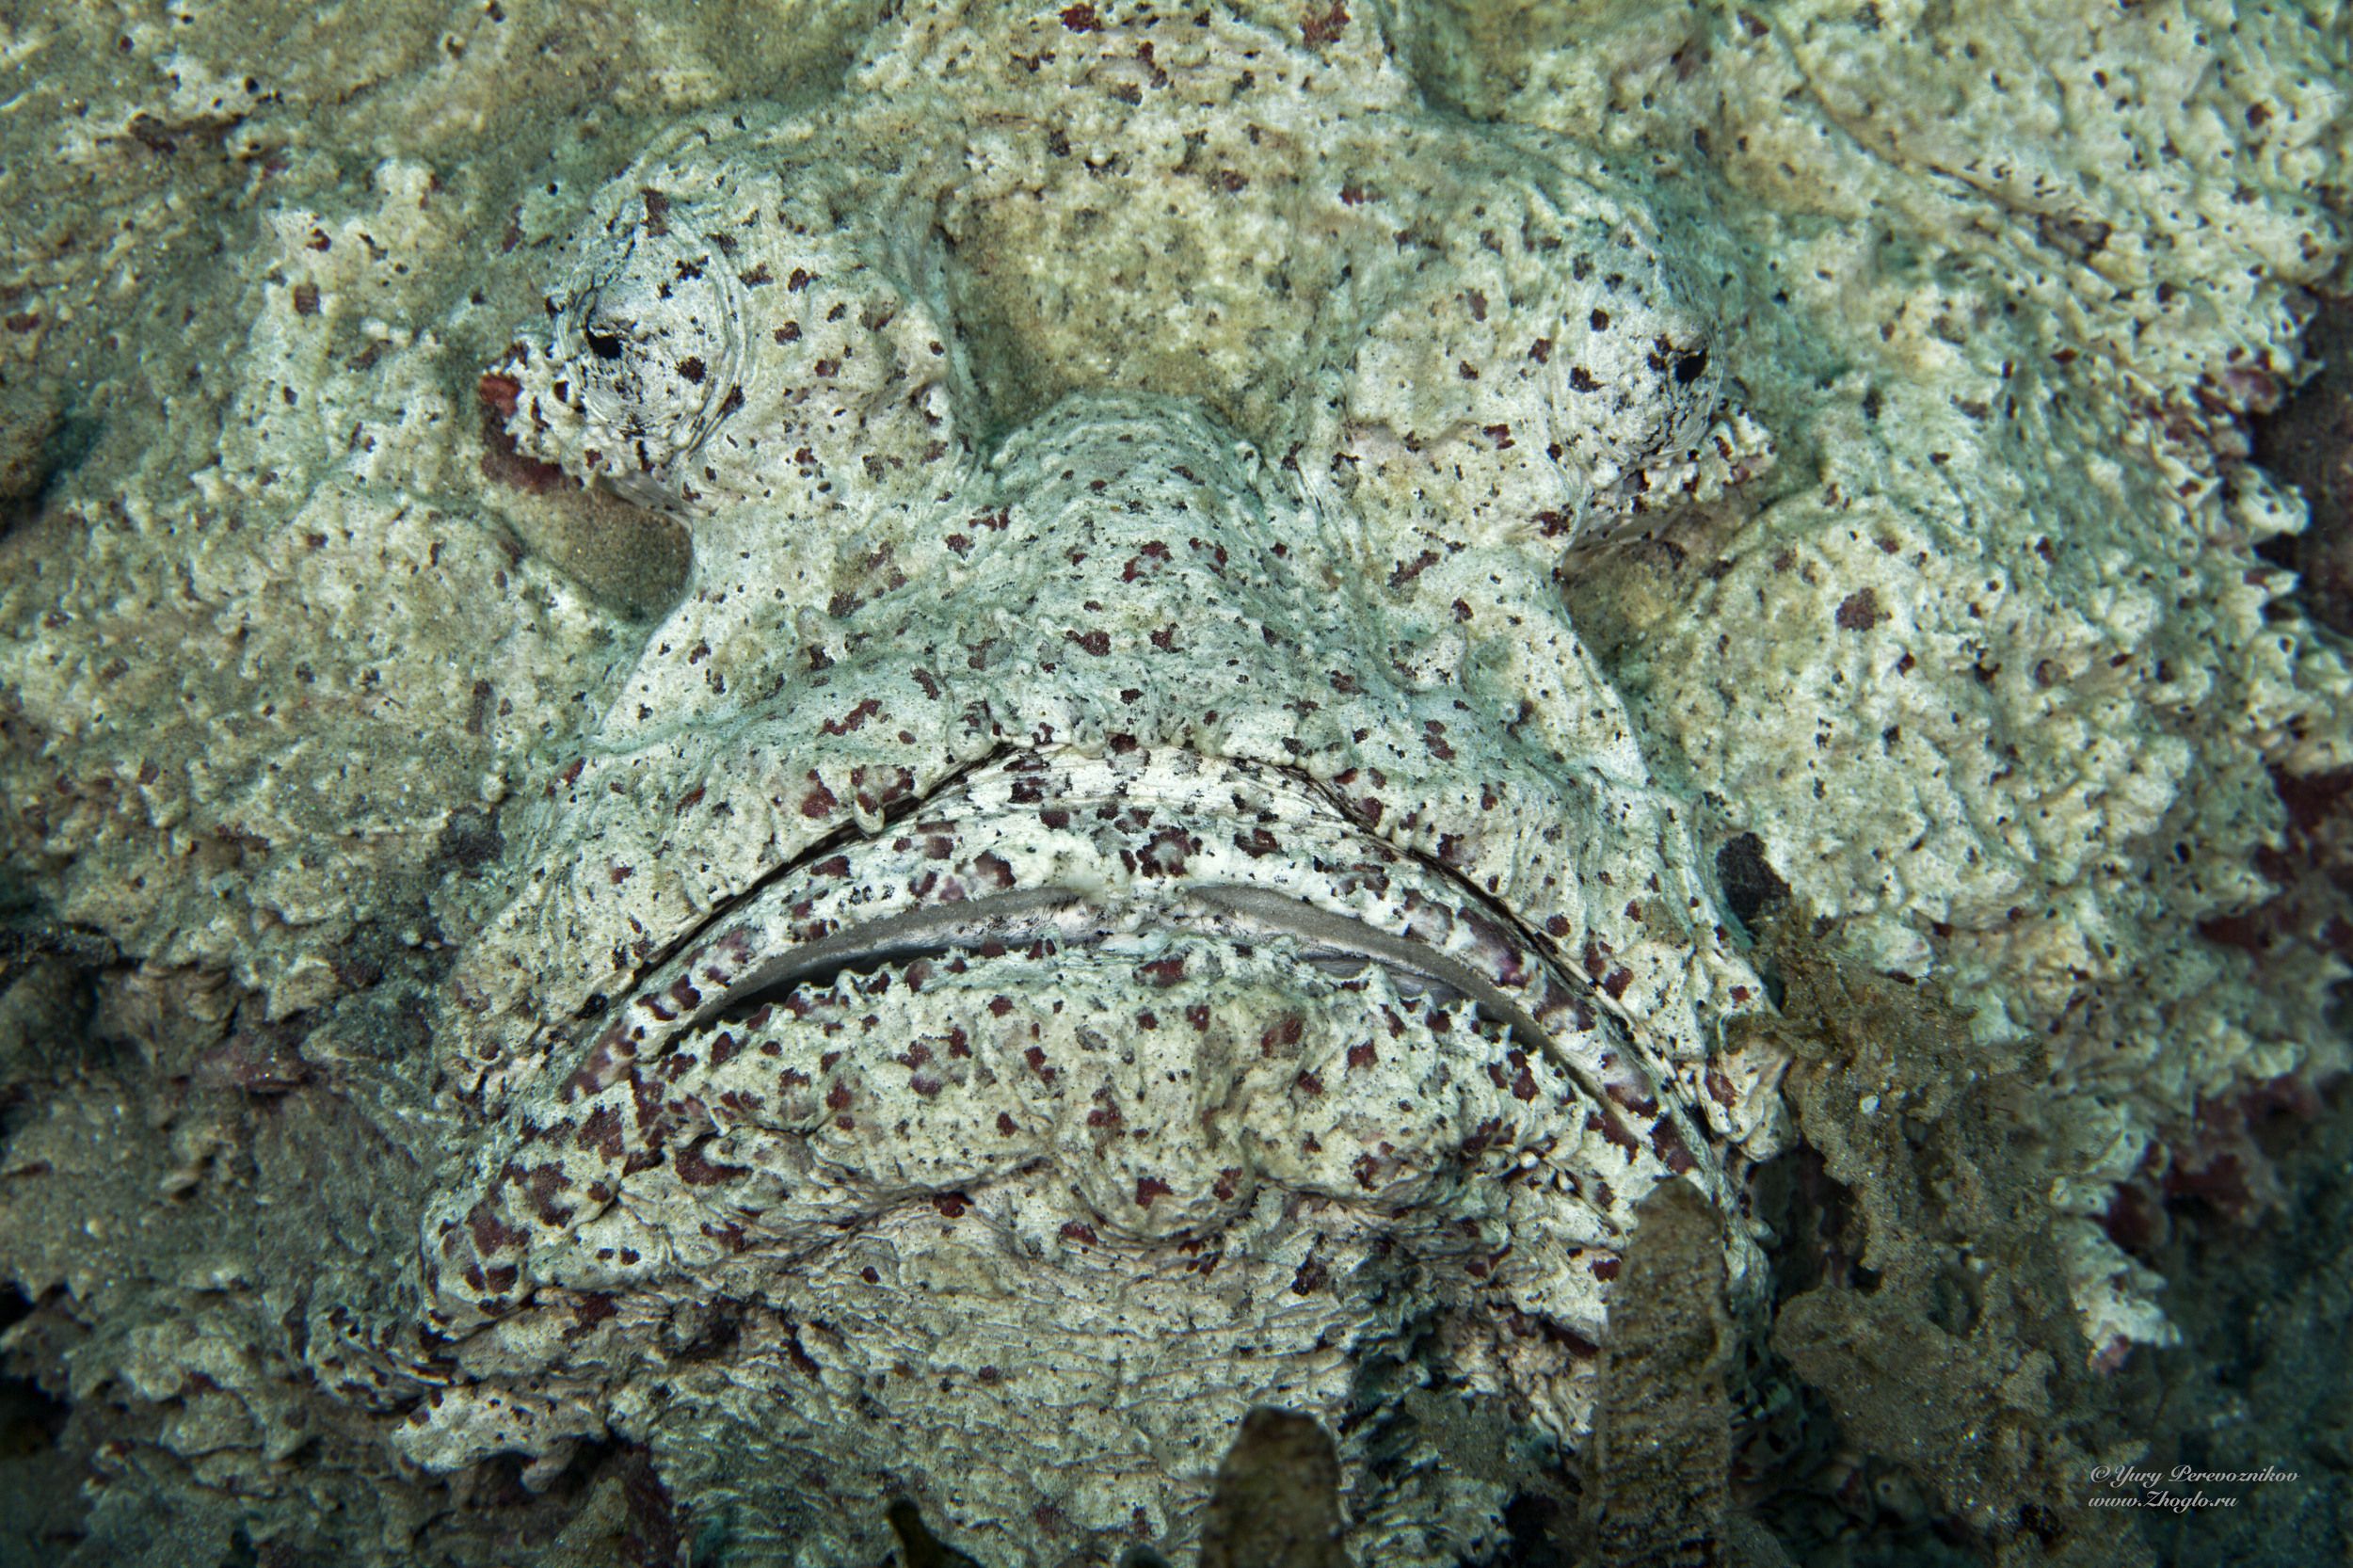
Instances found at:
x=604 y=346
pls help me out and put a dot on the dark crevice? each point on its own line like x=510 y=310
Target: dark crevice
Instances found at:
x=36 y=459
x=2308 y=443
x=25 y=944
x=1752 y=888
x=1813 y=1219
x=918 y=1545
x=31 y=1421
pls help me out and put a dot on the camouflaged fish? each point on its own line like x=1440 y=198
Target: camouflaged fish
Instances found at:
x=1082 y=922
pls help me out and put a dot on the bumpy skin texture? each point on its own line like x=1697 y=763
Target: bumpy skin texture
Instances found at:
x=1536 y=444
x=1100 y=719
x=1114 y=753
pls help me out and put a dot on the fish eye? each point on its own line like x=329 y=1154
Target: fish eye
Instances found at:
x=652 y=327
x=1545 y=389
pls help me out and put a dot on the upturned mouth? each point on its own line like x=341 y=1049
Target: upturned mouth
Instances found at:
x=1150 y=971
x=1064 y=855
x=1068 y=920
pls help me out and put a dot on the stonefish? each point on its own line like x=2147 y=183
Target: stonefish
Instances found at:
x=1116 y=895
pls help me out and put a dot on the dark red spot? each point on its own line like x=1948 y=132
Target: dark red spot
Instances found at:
x=589 y=1310
x=602 y=1131
x=542 y=1186
x=1860 y=611
x=1316 y=31
x=696 y=1169
x=855 y=718
x=1407 y=570
x=490 y=1230
x=1165 y=856
x=1667 y=1143
x=1256 y=843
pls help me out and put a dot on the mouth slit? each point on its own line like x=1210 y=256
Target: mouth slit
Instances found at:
x=925 y=932
x=1331 y=943
x=1331 y=937
x=1084 y=913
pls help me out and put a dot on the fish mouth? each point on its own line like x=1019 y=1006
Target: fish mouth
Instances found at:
x=1166 y=979
x=1064 y=919
x=1110 y=860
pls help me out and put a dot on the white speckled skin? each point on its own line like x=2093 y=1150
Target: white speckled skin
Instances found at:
x=1118 y=774
x=1197 y=761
